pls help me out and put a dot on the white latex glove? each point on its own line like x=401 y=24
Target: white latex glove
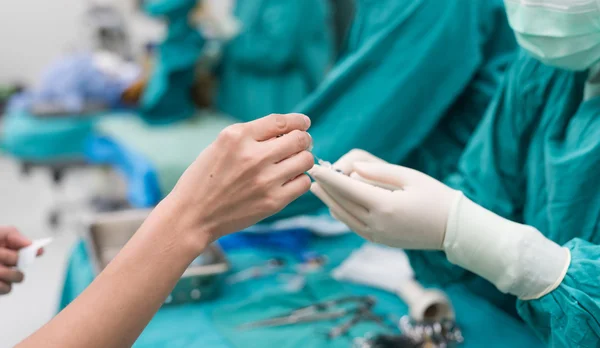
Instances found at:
x=423 y=213
x=412 y=217
x=346 y=162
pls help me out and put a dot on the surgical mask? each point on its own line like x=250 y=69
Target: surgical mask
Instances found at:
x=560 y=33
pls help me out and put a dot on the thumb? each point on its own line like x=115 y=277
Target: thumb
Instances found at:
x=387 y=174
x=16 y=241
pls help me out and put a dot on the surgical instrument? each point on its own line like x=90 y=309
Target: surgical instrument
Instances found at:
x=326 y=164
x=328 y=310
x=440 y=333
x=271 y=266
x=386 y=341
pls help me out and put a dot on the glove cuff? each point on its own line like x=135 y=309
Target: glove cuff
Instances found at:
x=516 y=258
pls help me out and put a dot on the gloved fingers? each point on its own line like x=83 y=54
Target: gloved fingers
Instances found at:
x=358 y=211
x=5 y=288
x=8 y=257
x=346 y=187
x=295 y=188
x=345 y=162
x=279 y=149
x=361 y=231
x=275 y=125
x=337 y=210
x=388 y=174
x=10 y=275
x=389 y=187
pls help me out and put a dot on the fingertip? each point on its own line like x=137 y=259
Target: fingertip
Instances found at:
x=314 y=187
x=317 y=190
x=315 y=171
x=334 y=215
x=40 y=252
x=306 y=181
x=16 y=240
x=307 y=121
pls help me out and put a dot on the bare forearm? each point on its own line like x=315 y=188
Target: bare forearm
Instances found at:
x=212 y=198
x=115 y=308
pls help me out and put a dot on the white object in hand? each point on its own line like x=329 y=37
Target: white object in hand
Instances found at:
x=388 y=269
x=28 y=254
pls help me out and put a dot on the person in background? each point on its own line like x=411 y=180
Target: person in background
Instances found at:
x=280 y=56
x=522 y=211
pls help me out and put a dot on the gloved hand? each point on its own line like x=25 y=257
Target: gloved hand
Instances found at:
x=346 y=162
x=415 y=211
x=413 y=216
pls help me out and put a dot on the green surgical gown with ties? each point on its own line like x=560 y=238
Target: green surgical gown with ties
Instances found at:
x=281 y=55
x=414 y=81
x=535 y=159
x=167 y=97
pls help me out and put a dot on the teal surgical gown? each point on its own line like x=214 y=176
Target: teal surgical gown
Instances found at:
x=168 y=97
x=280 y=56
x=535 y=159
x=415 y=79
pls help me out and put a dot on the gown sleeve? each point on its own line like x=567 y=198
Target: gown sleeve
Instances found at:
x=569 y=316
x=491 y=174
x=269 y=36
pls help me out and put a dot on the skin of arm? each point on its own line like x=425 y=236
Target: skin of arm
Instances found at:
x=127 y=294
x=247 y=174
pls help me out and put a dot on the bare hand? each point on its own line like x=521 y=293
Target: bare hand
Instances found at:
x=11 y=241
x=249 y=173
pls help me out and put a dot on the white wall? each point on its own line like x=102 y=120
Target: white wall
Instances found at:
x=33 y=32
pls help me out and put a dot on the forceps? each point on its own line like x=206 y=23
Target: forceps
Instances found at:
x=327 y=310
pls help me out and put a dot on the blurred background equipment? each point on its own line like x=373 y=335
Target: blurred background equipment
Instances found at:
x=108 y=30
x=107 y=233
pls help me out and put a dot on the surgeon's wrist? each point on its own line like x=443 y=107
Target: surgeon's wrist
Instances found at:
x=518 y=259
x=193 y=233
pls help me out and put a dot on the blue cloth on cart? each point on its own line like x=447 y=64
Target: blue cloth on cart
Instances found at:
x=45 y=139
x=202 y=325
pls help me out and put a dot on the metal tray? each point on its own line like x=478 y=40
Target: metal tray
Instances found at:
x=106 y=233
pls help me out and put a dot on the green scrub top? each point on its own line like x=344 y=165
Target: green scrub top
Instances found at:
x=414 y=81
x=168 y=96
x=535 y=159
x=281 y=55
